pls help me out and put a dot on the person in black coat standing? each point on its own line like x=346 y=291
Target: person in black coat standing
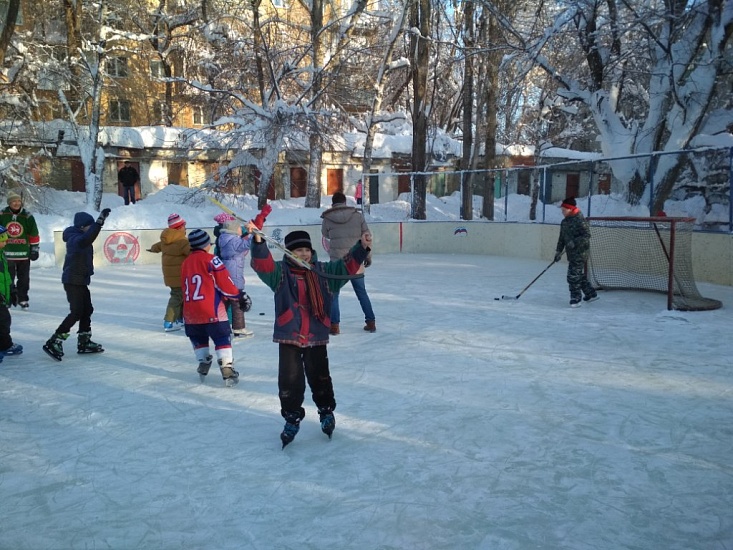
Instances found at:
x=128 y=177
x=76 y=277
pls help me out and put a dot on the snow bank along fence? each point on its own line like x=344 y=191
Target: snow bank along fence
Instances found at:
x=704 y=183
x=712 y=253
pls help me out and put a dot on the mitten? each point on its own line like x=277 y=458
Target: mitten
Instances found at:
x=13 y=295
x=558 y=255
x=103 y=216
x=259 y=220
x=34 y=252
x=245 y=302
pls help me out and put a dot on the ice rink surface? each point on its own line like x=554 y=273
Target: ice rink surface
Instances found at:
x=463 y=422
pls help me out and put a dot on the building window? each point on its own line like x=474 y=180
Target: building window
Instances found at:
x=52 y=74
x=119 y=110
x=198 y=115
x=117 y=67
x=156 y=69
x=162 y=113
x=278 y=3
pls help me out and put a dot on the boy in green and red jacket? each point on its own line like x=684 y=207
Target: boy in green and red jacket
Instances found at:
x=302 y=322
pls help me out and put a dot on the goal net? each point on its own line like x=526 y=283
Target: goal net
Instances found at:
x=653 y=254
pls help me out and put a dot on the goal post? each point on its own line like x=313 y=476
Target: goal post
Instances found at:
x=653 y=254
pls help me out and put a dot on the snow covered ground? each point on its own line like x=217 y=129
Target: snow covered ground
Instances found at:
x=463 y=422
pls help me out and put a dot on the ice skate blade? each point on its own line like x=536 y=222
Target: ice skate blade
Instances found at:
x=231 y=382
x=84 y=352
x=52 y=355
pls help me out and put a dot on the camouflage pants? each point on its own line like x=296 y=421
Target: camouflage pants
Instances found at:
x=577 y=281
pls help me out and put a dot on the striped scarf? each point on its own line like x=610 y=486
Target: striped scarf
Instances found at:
x=313 y=289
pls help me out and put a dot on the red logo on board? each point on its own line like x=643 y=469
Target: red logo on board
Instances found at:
x=121 y=248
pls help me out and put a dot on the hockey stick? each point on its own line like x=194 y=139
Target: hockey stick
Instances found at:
x=285 y=251
x=529 y=285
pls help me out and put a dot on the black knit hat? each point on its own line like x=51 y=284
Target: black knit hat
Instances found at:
x=199 y=239
x=338 y=198
x=298 y=239
x=569 y=202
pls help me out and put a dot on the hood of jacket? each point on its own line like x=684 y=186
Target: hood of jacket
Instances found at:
x=168 y=235
x=341 y=213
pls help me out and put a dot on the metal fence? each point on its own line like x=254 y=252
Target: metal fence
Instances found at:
x=702 y=187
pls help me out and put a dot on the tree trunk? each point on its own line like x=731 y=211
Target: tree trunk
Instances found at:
x=8 y=29
x=420 y=53
x=468 y=99
x=313 y=193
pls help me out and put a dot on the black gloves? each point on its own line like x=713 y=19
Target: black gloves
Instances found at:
x=103 y=216
x=13 y=295
x=558 y=255
x=34 y=252
x=245 y=302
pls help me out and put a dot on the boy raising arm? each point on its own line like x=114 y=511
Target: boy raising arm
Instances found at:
x=302 y=323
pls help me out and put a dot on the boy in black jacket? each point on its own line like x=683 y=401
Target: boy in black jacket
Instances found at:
x=76 y=277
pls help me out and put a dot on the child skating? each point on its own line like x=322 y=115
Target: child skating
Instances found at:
x=206 y=288
x=302 y=322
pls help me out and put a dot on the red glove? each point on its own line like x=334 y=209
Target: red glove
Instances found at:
x=259 y=220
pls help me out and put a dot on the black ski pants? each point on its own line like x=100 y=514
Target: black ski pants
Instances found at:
x=5 y=340
x=298 y=365
x=20 y=274
x=81 y=309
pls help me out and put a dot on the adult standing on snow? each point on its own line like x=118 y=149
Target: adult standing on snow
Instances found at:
x=22 y=245
x=128 y=177
x=344 y=225
x=575 y=238
x=76 y=277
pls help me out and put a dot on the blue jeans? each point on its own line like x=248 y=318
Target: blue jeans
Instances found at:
x=128 y=193
x=361 y=294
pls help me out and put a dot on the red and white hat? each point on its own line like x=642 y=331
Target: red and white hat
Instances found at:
x=175 y=221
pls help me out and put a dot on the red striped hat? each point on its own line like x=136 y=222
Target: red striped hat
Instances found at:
x=175 y=221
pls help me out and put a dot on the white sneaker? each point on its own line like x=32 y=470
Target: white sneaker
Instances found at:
x=243 y=333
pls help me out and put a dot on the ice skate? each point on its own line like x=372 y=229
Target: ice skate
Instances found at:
x=54 y=346
x=328 y=421
x=292 y=425
x=204 y=367
x=85 y=345
x=230 y=376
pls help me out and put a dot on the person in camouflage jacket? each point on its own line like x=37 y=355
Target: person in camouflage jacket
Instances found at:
x=575 y=239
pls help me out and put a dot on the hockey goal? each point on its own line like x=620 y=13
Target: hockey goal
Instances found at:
x=653 y=254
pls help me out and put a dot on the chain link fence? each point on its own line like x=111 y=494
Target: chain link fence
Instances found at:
x=697 y=184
